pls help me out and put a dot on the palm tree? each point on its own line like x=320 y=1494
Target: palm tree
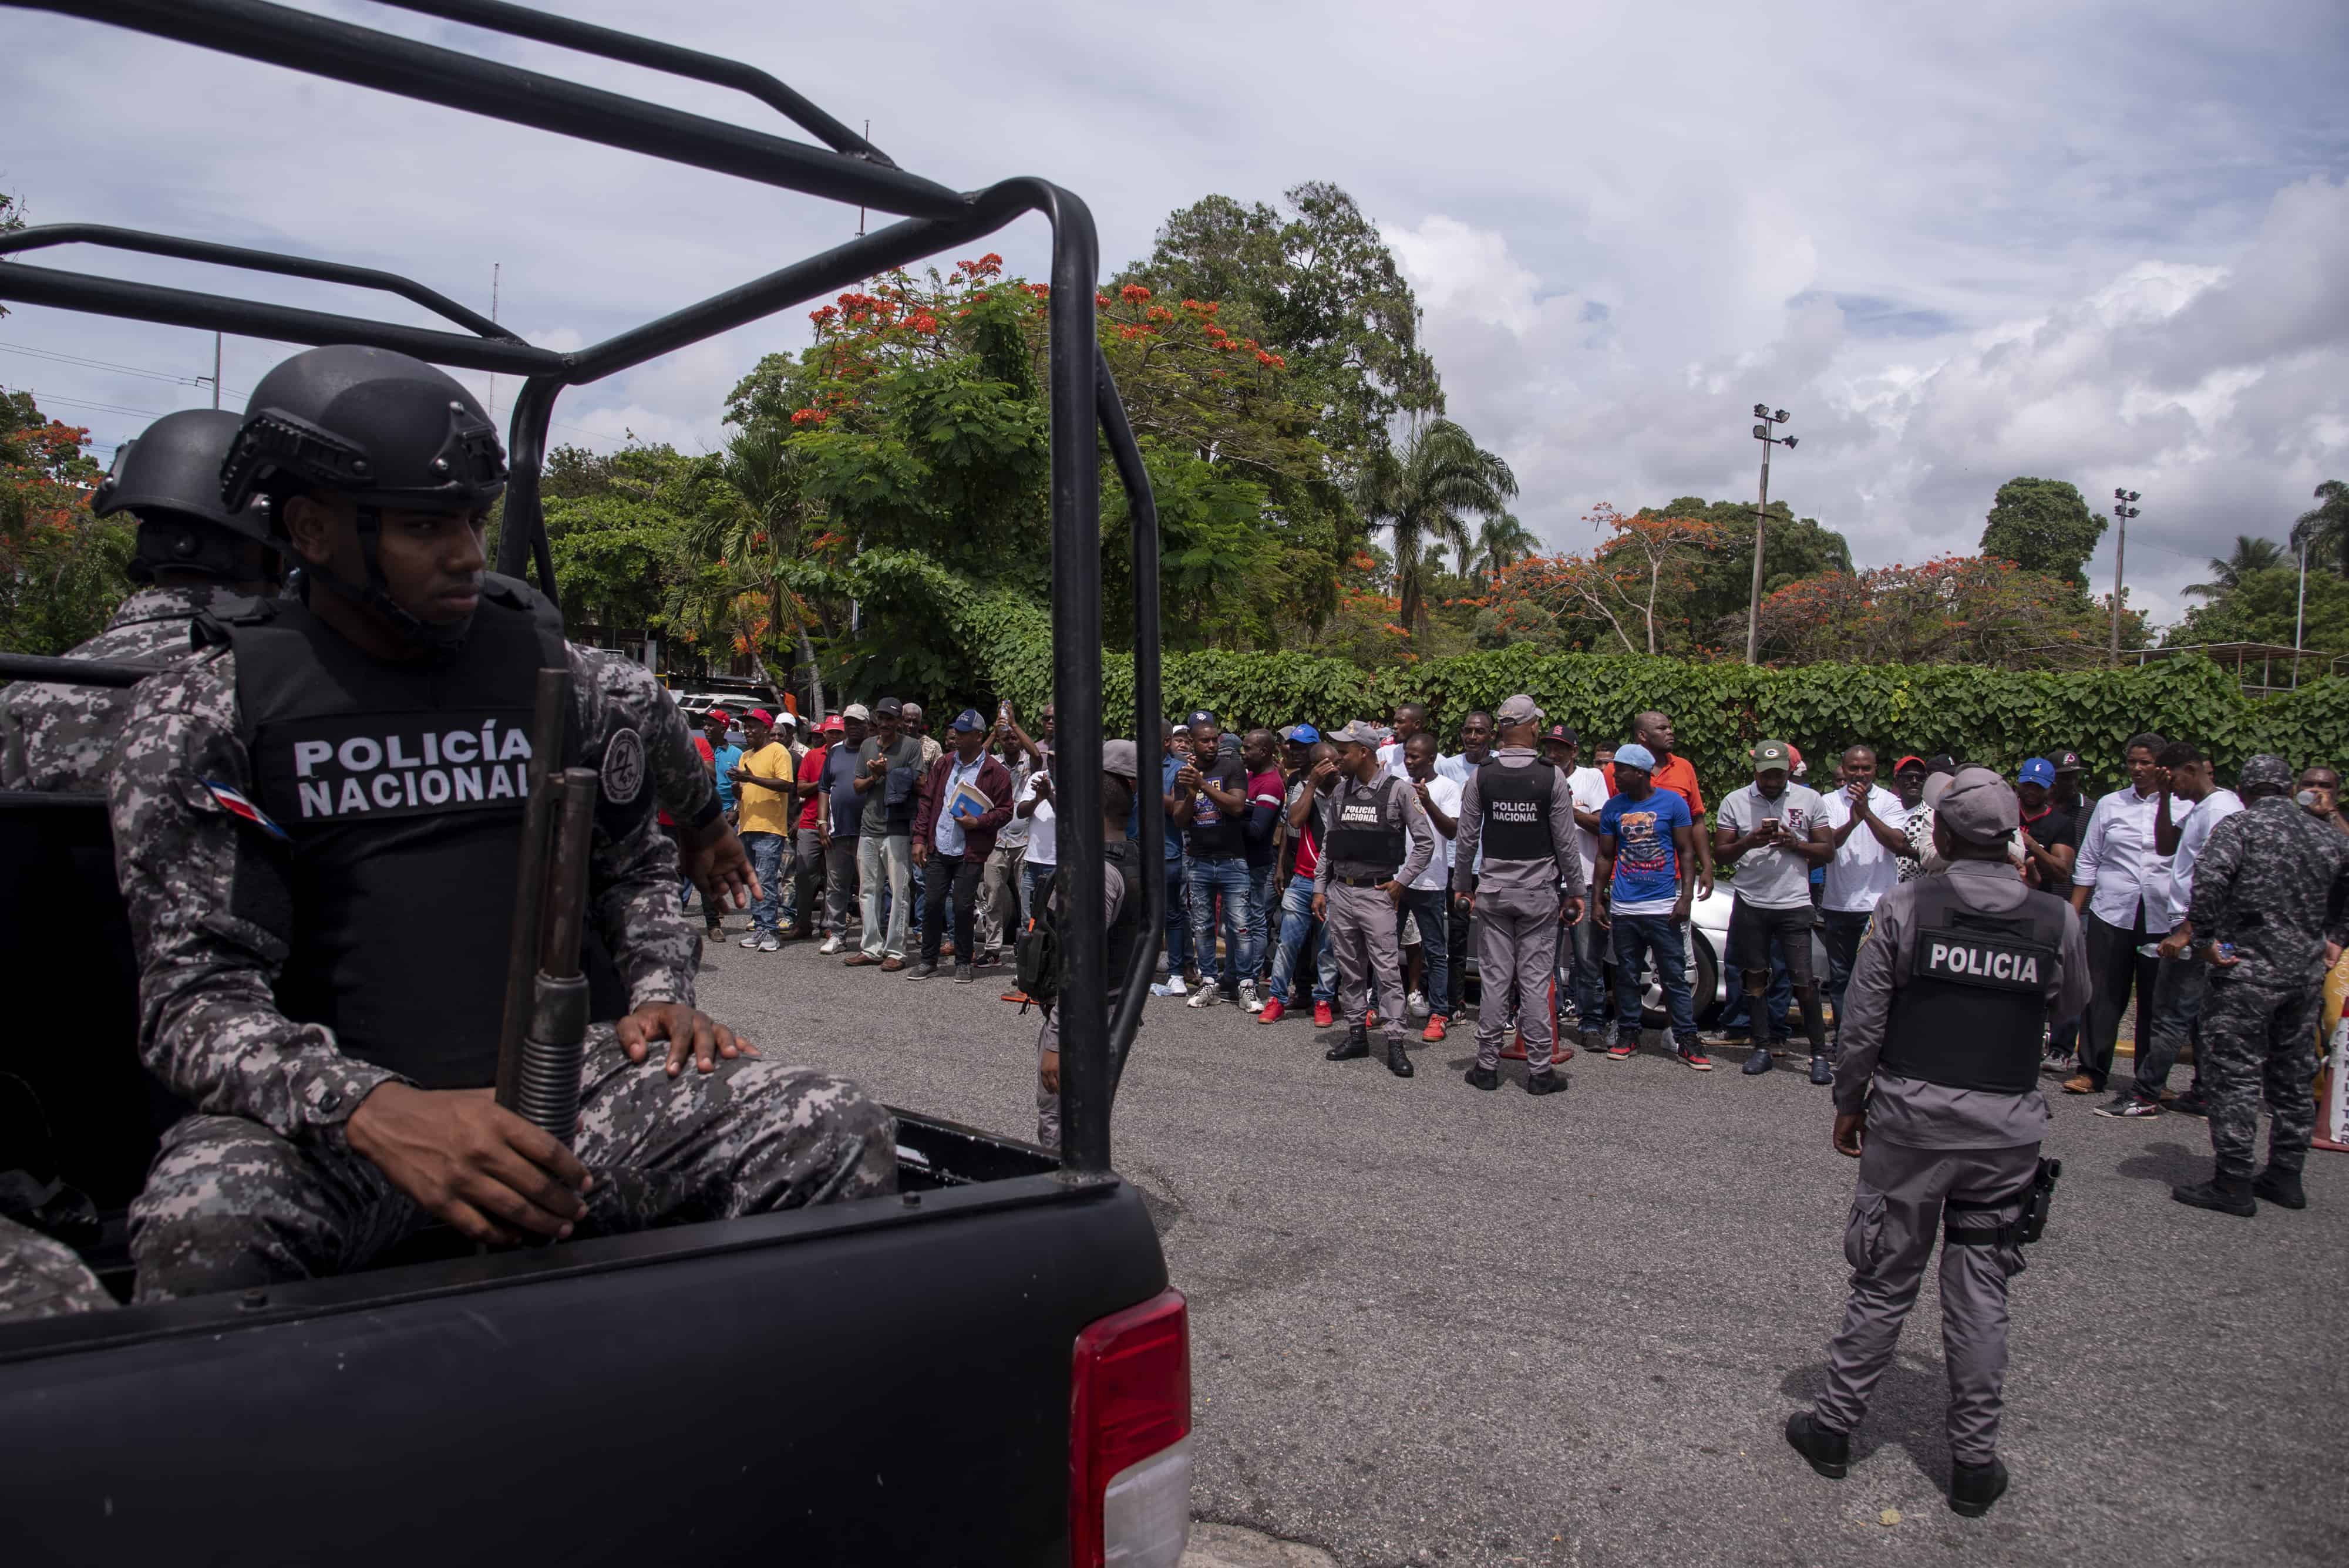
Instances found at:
x=1501 y=541
x=752 y=527
x=1424 y=492
x=2249 y=556
x=2325 y=529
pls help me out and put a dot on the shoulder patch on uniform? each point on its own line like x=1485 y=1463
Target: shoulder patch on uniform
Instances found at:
x=624 y=767
x=233 y=801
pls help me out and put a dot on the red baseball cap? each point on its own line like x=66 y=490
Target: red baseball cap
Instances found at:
x=832 y=726
x=721 y=714
x=760 y=715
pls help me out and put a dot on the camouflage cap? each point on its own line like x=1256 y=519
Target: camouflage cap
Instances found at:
x=2265 y=770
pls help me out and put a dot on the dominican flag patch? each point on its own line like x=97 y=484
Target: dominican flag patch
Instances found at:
x=233 y=801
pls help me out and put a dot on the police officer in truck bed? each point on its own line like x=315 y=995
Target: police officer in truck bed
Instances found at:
x=1936 y=1095
x=314 y=829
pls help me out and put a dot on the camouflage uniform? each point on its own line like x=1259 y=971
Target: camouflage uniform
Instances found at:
x=42 y=1278
x=262 y=1186
x=2270 y=881
x=60 y=737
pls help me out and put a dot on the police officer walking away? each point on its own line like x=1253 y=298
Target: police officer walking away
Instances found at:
x=1520 y=810
x=194 y=554
x=1936 y=1095
x=1377 y=841
x=2268 y=894
x=316 y=829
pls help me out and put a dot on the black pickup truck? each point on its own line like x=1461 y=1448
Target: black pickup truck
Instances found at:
x=988 y=1366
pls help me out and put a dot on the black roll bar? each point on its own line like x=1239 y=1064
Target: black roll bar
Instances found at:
x=1081 y=396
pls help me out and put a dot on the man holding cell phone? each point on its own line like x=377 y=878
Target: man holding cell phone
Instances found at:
x=1774 y=831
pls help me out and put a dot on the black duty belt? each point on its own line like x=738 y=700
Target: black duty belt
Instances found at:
x=1361 y=881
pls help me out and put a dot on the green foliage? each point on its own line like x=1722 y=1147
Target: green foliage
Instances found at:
x=1423 y=495
x=2249 y=555
x=616 y=526
x=2324 y=528
x=2258 y=608
x=1794 y=548
x=2043 y=525
x=62 y=571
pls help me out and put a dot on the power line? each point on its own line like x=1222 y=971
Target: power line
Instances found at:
x=55 y=358
x=41 y=397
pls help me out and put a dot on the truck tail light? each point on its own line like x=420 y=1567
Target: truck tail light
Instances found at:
x=1130 y=1437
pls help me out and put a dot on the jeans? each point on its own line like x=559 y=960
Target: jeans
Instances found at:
x=1263 y=895
x=1227 y=876
x=1754 y=932
x=1588 y=988
x=1841 y=931
x=1636 y=937
x=2177 y=994
x=999 y=898
x=957 y=875
x=1430 y=907
x=1036 y=889
x=1737 y=1013
x=1298 y=924
x=766 y=850
x=840 y=882
x=2115 y=968
x=1178 y=914
x=885 y=863
x=808 y=880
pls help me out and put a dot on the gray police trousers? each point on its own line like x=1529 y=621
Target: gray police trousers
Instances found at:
x=1516 y=945
x=1362 y=934
x=1896 y=1219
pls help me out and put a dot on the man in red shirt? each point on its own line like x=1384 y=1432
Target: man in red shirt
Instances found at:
x=1677 y=774
x=808 y=849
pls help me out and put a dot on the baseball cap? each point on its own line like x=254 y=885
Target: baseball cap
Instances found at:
x=2265 y=770
x=1637 y=756
x=832 y=726
x=1519 y=710
x=1979 y=806
x=721 y=714
x=1563 y=733
x=788 y=717
x=2064 y=761
x=889 y=708
x=2036 y=770
x=968 y=722
x=1119 y=757
x=1940 y=762
x=1200 y=716
x=1301 y=735
x=759 y=716
x=1911 y=761
x=1357 y=734
x=1765 y=754
x=857 y=711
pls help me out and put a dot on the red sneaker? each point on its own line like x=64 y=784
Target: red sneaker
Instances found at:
x=1621 y=1050
x=1694 y=1056
x=1323 y=1018
x=1434 y=1030
x=1272 y=1011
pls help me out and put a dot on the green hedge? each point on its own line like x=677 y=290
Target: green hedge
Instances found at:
x=1993 y=716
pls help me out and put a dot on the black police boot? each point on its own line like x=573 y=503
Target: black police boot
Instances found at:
x=1545 y=1082
x=1354 y=1047
x=1973 y=1488
x=2281 y=1188
x=2226 y=1194
x=1829 y=1452
x=1397 y=1062
x=1484 y=1079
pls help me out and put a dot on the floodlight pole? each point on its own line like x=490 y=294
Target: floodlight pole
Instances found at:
x=1761 y=514
x=2122 y=511
x=216 y=363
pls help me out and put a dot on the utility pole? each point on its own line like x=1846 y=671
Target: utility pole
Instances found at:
x=2299 y=610
x=860 y=206
x=216 y=362
x=1769 y=418
x=2122 y=511
x=495 y=268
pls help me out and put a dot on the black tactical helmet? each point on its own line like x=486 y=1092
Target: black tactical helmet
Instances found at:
x=168 y=477
x=386 y=430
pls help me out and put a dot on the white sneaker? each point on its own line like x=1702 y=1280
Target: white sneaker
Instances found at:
x=1249 y=997
x=1205 y=996
x=1418 y=1004
x=750 y=941
x=832 y=944
x=770 y=944
x=1172 y=986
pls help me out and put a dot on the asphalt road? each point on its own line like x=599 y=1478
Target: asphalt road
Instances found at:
x=1436 y=1326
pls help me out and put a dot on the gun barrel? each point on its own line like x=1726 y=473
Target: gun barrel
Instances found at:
x=547 y=1089
x=551 y=709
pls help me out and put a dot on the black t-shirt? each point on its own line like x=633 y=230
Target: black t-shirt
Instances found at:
x=2055 y=826
x=1214 y=832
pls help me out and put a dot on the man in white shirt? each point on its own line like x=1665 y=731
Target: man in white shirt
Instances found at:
x=1410 y=718
x=1867 y=826
x=2121 y=886
x=1775 y=830
x=2183 y=979
x=1425 y=904
x=1475 y=748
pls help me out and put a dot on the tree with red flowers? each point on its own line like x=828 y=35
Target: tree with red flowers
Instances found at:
x=1620 y=594
x=1953 y=609
x=61 y=569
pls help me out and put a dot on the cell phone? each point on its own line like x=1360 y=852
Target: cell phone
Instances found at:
x=1770 y=825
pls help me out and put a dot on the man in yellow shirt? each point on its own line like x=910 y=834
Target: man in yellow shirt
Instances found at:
x=766 y=784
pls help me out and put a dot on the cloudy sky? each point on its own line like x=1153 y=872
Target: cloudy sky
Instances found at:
x=2104 y=242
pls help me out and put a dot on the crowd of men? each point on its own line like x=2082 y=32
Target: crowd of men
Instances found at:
x=912 y=851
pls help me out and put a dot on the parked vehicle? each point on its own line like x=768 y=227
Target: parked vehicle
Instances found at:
x=987 y=1367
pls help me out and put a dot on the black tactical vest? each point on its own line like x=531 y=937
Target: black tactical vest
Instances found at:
x=1516 y=806
x=401 y=787
x=1971 y=1014
x=1366 y=828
